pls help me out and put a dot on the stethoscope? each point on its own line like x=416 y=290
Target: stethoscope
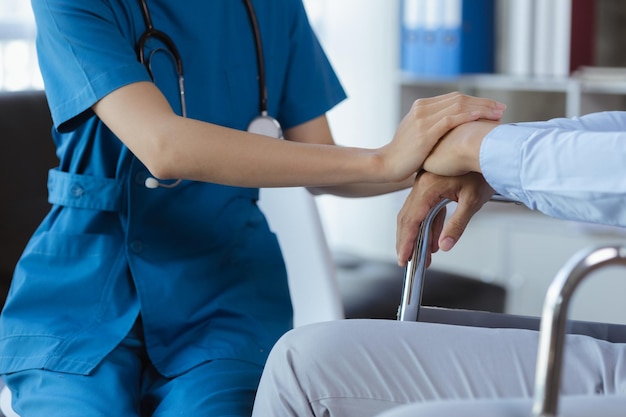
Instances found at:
x=263 y=124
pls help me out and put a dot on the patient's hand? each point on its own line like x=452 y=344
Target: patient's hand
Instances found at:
x=458 y=152
x=470 y=191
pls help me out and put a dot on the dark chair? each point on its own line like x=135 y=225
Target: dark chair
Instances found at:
x=27 y=154
x=370 y=288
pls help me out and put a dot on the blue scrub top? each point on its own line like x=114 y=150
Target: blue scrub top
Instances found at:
x=197 y=262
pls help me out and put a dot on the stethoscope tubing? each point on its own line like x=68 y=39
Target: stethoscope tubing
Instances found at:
x=150 y=31
x=258 y=42
x=263 y=124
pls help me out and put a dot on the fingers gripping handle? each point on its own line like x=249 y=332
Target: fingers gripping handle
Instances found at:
x=415 y=272
x=416 y=268
x=553 y=321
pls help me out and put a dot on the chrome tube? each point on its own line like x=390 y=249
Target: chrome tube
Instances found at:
x=413 y=285
x=415 y=272
x=553 y=321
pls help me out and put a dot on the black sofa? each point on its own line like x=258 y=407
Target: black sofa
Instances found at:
x=27 y=154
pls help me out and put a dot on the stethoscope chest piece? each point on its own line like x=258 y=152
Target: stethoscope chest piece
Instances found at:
x=266 y=125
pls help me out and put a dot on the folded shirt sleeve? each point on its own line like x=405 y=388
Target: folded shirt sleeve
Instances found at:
x=573 y=169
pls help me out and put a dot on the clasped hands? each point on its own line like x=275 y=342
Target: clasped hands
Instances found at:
x=451 y=170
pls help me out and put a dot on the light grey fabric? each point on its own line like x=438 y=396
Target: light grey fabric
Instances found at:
x=361 y=368
x=570 y=406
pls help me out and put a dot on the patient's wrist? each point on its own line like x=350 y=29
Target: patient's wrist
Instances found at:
x=473 y=134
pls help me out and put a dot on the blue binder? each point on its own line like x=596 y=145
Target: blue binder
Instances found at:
x=451 y=38
x=477 y=42
x=432 y=21
x=412 y=36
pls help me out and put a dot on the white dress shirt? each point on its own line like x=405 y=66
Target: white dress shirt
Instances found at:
x=572 y=169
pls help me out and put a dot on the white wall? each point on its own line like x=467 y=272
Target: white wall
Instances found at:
x=361 y=38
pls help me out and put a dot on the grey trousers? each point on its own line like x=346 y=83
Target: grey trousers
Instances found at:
x=362 y=368
x=569 y=406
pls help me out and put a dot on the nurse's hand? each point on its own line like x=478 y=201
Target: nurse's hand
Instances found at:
x=426 y=123
x=470 y=191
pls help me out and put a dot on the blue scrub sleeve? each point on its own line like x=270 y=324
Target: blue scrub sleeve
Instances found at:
x=310 y=75
x=83 y=55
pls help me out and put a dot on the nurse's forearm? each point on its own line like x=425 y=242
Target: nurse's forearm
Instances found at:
x=227 y=156
x=318 y=130
x=174 y=147
x=363 y=189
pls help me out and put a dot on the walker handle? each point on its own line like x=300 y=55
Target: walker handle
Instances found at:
x=553 y=321
x=415 y=272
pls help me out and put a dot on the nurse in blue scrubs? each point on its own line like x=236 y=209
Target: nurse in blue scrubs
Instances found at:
x=154 y=286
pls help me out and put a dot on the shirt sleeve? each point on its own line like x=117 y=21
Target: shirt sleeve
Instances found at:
x=83 y=54
x=593 y=122
x=574 y=170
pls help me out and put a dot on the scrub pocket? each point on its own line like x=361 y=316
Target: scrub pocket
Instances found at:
x=71 y=301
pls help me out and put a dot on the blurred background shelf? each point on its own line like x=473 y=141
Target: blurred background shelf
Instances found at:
x=504 y=245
